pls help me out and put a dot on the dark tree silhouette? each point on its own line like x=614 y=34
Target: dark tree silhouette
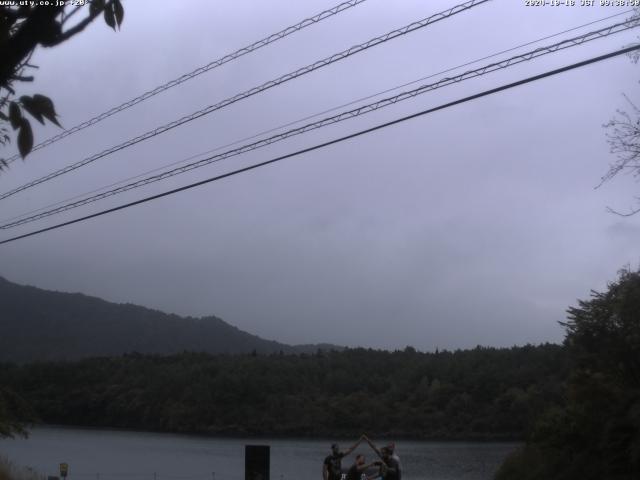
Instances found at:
x=15 y=413
x=596 y=433
x=23 y=28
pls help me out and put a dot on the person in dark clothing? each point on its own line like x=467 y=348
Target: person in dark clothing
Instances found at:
x=390 y=469
x=332 y=465
x=357 y=470
x=390 y=465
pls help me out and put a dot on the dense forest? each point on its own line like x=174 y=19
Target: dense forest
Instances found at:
x=40 y=325
x=595 y=433
x=481 y=393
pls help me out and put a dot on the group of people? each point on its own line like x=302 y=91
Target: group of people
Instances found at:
x=388 y=467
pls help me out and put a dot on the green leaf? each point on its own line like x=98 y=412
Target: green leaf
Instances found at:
x=25 y=138
x=109 y=16
x=15 y=115
x=32 y=107
x=45 y=107
x=118 y=10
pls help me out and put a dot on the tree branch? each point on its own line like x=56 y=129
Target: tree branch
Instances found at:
x=78 y=27
x=630 y=213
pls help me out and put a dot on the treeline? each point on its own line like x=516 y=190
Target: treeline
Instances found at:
x=595 y=433
x=484 y=393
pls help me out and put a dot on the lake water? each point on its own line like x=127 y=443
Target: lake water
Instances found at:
x=119 y=455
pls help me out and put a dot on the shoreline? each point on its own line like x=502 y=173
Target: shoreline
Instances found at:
x=273 y=436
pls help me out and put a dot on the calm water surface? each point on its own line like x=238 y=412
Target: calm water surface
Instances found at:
x=118 y=455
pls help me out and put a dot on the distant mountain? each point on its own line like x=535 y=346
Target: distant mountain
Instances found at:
x=42 y=325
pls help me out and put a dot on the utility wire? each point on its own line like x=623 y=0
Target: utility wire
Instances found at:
x=334 y=141
x=253 y=91
x=198 y=71
x=309 y=117
x=515 y=60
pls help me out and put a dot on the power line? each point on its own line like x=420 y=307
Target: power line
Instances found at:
x=288 y=124
x=335 y=119
x=253 y=91
x=274 y=37
x=334 y=141
x=515 y=60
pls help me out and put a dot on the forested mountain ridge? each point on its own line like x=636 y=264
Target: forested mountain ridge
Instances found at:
x=42 y=325
x=273 y=389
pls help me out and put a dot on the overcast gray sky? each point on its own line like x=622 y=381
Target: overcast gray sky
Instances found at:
x=479 y=224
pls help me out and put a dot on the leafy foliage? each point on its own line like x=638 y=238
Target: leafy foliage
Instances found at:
x=14 y=412
x=22 y=29
x=596 y=433
x=480 y=393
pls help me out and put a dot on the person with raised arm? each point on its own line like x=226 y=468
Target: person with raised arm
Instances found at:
x=332 y=465
x=391 y=469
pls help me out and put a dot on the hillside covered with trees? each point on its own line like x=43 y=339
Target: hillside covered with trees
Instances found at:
x=40 y=325
x=480 y=393
x=577 y=405
x=594 y=433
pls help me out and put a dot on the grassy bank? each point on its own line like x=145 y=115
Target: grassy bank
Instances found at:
x=11 y=471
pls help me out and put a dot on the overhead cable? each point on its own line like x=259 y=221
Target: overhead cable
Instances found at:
x=308 y=117
x=253 y=91
x=371 y=107
x=274 y=37
x=484 y=93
